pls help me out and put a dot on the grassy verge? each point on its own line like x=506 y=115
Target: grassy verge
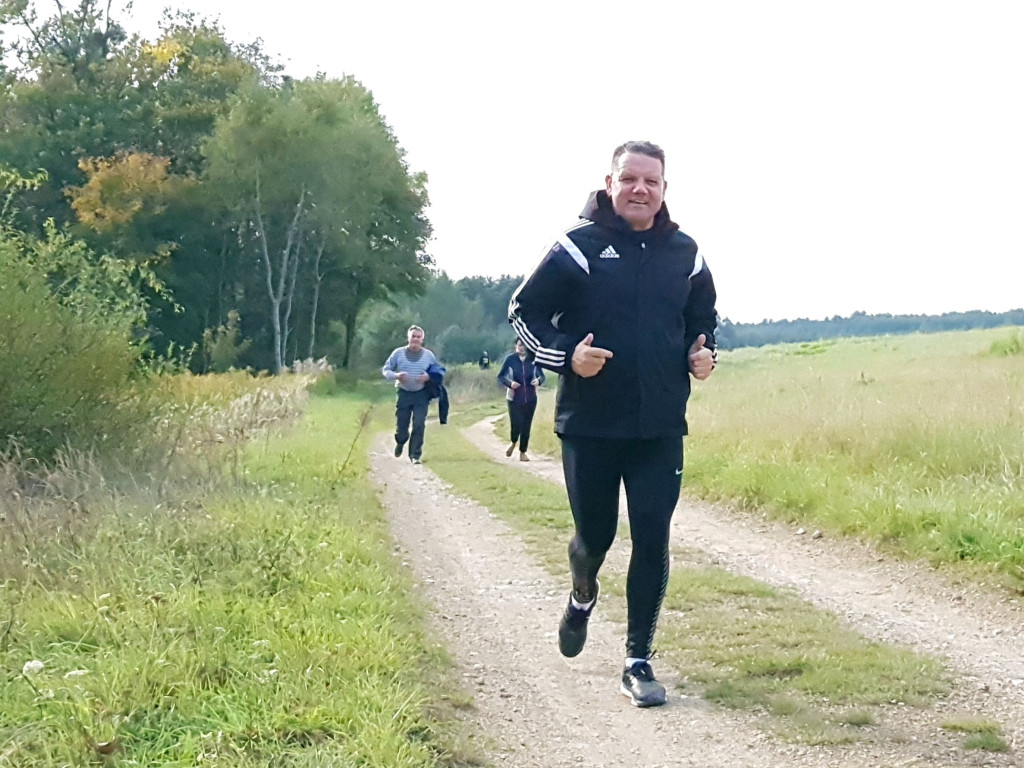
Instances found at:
x=749 y=646
x=265 y=624
x=739 y=643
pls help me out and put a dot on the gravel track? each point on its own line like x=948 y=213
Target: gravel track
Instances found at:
x=497 y=610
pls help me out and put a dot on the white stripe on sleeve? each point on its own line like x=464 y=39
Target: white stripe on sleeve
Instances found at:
x=698 y=263
x=575 y=252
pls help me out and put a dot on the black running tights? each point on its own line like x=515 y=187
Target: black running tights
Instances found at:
x=651 y=471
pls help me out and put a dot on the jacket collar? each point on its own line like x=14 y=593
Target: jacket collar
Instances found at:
x=599 y=210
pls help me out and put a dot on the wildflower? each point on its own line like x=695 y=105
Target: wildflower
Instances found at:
x=32 y=667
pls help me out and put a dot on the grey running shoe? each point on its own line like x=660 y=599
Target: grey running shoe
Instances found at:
x=416 y=461
x=398 y=449
x=572 y=629
x=639 y=684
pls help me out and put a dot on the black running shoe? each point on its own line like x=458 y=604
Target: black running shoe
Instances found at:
x=639 y=684
x=398 y=449
x=572 y=629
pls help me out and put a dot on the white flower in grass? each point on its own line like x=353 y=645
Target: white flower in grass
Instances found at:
x=33 y=667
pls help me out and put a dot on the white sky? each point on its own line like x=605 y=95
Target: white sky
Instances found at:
x=828 y=157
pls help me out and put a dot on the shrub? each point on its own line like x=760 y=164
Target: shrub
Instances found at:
x=63 y=381
x=223 y=346
x=71 y=341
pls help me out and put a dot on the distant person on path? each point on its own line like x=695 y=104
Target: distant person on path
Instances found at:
x=484 y=362
x=623 y=307
x=520 y=376
x=407 y=367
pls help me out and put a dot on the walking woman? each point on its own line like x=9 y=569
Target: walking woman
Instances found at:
x=520 y=377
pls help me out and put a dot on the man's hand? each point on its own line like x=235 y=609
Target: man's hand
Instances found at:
x=702 y=359
x=514 y=385
x=402 y=376
x=423 y=377
x=587 y=360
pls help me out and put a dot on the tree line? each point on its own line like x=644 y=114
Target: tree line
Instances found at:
x=732 y=335
x=270 y=211
x=467 y=316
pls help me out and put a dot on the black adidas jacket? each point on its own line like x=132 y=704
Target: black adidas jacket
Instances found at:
x=646 y=296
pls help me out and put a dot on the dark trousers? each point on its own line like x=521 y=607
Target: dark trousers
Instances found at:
x=411 y=406
x=651 y=471
x=520 y=416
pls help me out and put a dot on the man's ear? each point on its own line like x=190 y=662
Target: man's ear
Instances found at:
x=608 y=183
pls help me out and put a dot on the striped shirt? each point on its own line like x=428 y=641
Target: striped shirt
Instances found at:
x=402 y=360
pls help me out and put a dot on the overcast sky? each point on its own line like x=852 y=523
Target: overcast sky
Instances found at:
x=828 y=157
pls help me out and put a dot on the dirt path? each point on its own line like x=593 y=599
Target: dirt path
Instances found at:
x=497 y=611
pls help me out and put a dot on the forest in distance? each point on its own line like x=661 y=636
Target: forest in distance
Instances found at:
x=467 y=317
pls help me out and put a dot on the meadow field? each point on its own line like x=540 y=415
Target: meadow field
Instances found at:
x=913 y=443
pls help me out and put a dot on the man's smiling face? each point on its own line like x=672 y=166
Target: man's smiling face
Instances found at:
x=636 y=187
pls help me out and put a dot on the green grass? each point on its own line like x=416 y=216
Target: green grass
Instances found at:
x=981 y=733
x=738 y=642
x=913 y=443
x=745 y=644
x=266 y=624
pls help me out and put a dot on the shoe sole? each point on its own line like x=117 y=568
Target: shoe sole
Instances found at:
x=573 y=654
x=642 y=704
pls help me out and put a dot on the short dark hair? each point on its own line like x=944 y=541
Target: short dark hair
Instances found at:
x=640 y=148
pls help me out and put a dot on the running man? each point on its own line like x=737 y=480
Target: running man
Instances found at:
x=623 y=307
x=407 y=367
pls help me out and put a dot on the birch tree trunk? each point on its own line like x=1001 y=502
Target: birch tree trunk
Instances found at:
x=318 y=278
x=276 y=292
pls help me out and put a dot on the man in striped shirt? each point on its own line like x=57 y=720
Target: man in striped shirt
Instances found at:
x=407 y=367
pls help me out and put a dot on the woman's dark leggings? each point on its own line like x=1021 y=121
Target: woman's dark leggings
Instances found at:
x=520 y=416
x=651 y=471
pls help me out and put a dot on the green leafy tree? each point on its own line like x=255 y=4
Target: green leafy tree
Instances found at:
x=462 y=319
x=116 y=122
x=326 y=206
x=81 y=87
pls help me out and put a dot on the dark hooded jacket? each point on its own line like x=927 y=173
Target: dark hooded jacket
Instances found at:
x=524 y=372
x=646 y=296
